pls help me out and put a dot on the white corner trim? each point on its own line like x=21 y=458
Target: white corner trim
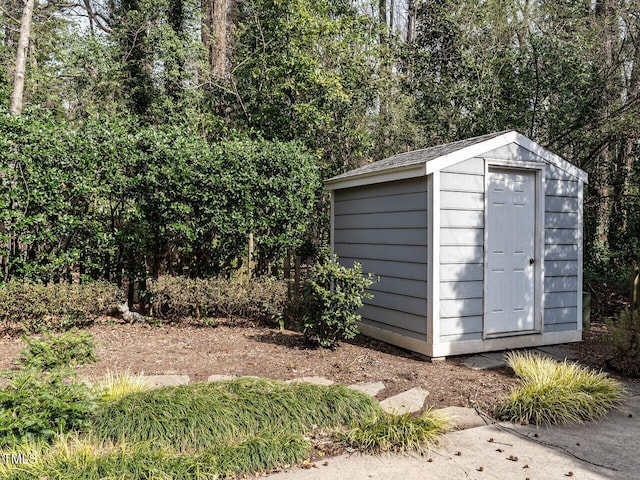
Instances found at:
x=433 y=258
x=580 y=254
x=332 y=213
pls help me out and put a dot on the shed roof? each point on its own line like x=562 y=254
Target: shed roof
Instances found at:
x=441 y=156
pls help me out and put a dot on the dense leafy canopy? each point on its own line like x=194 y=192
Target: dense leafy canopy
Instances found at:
x=126 y=120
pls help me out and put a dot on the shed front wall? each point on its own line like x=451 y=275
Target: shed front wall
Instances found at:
x=462 y=203
x=384 y=227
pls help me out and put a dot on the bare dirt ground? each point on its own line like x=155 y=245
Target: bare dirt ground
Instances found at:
x=247 y=349
x=243 y=348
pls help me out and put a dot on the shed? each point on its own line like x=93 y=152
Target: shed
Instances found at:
x=478 y=245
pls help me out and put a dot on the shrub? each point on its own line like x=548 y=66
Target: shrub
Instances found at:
x=332 y=294
x=54 y=351
x=551 y=392
x=34 y=307
x=175 y=298
x=624 y=342
x=391 y=433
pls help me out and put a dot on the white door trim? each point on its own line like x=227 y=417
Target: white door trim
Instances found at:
x=539 y=240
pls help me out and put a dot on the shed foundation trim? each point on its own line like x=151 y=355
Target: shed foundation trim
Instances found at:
x=505 y=343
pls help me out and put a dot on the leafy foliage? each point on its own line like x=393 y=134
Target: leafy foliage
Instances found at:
x=551 y=392
x=332 y=295
x=43 y=399
x=38 y=405
x=176 y=298
x=54 y=351
x=623 y=340
x=104 y=199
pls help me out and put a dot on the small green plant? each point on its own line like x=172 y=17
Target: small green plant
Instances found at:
x=53 y=351
x=623 y=340
x=332 y=294
x=37 y=405
x=391 y=433
x=553 y=392
x=116 y=385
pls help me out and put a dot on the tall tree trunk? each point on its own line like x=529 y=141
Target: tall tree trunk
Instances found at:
x=214 y=35
x=411 y=20
x=601 y=184
x=21 y=59
x=382 y=16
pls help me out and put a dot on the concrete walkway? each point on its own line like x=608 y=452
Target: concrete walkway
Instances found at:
x=606 y=450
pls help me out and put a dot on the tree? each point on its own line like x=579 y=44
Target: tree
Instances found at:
x=21 y=59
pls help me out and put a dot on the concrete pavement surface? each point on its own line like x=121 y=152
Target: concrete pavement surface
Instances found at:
x=604 y=450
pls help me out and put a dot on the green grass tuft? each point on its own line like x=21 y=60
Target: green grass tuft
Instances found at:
x=116 y=385
x=83 y=458
x=390 y=433
x=552 y=392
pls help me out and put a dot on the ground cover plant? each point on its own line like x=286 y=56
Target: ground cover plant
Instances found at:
x=120 y=428
x=553 y=392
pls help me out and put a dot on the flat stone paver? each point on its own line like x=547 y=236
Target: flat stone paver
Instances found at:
x=462 y=417
x=314 y=380
x=485 y=361
x=371 y=389
x=220 y=378
x=410 y=401
x=157 y=381
x=558 y=352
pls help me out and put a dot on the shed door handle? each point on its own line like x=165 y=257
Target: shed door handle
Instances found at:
x=532 y=261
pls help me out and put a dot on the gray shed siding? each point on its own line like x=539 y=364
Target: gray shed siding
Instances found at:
x=562 y=223
x=462 y=251
x=384 y=227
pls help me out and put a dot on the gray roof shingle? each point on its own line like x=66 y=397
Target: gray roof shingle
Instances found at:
x=416 y=157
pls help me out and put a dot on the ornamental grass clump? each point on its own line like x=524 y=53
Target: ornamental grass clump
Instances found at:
x=552 y=392
x=391 y=433
x=193 y=417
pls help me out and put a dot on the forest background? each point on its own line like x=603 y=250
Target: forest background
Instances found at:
x=162 y=136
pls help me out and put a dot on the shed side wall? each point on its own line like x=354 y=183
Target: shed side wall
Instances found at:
x=384 y=227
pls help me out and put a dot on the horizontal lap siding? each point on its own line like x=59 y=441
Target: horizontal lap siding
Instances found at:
x=462 y=251
x=561 y=250
x=384 y=228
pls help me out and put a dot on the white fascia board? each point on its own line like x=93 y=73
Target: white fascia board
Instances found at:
x=551 y=157
x=401 y=173
x=471 y=151
x=479 y=149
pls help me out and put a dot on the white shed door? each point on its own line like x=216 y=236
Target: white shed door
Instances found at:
x=511 y=232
